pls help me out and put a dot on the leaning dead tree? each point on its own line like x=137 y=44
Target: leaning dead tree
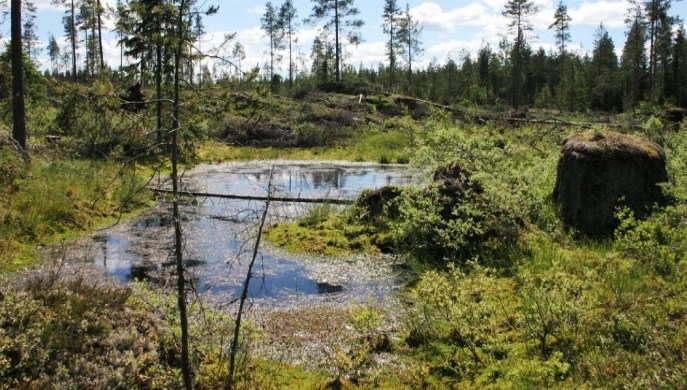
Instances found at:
x=246 y=283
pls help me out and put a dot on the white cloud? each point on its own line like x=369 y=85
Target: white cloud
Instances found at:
x=611 y=13
x=455 y=47
x=259 y=10
x=47 y=5
x=367 y=53
x=433 y=17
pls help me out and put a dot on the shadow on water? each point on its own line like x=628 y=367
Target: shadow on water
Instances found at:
x=141 y=272
x=155 y=220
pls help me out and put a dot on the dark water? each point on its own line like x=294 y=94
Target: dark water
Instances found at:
x=219 y=235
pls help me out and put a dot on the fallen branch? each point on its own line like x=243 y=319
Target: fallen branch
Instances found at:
x=586 y=125
x=257 y=198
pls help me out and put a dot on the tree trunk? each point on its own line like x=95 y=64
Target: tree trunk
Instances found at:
x=410 y=60
x=337 y=51
x=87 y=70
x=290 y=56
x=18 y=109
x=518 y=69
x=392 y=55
x=100 y=36
x=72 y=33
x=181 y=284
x=652 y=47
x=158 y=80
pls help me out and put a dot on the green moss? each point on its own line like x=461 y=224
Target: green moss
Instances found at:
x=58 y=199
x=332 y=235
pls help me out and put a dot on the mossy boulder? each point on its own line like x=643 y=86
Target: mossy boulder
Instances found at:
x=597 y=172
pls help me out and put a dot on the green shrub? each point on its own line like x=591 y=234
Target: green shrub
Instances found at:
x=75 y=335
x=437 y=226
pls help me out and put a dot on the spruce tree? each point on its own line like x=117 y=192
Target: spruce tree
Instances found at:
x=633 y=63
x=604 y=65
x=680 y=67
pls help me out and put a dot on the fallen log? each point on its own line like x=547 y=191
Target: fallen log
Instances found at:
x=257 y=198
x=586 y=125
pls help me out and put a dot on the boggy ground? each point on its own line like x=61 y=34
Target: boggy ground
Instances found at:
x=544 y=308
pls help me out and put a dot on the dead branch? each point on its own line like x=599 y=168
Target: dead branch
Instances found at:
x=244 y=293
x=252 y=197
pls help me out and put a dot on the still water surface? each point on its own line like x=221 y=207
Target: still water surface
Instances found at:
x=219 y=235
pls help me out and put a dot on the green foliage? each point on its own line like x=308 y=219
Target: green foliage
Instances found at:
x=55 y=197
x=93 y=123
x=40 y=112
x=436 y=227
x=77 y=335
x=12 y=168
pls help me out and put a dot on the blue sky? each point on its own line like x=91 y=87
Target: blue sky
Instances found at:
x=451 y=27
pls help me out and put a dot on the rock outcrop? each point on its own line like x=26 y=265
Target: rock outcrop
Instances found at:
x=599 y=171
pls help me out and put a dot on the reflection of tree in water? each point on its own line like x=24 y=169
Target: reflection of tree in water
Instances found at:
x=327 y=288
x=330 y=178
x=141 y=271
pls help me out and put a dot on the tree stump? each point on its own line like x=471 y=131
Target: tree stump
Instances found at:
x=597 y=172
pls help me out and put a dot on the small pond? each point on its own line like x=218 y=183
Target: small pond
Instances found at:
x=219 y=236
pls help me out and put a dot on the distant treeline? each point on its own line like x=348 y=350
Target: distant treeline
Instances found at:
x=651 y=68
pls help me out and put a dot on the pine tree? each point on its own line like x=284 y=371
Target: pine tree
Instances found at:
x=659 y=24
x=271 y=25
x=99 y=23
x=409 y=31
x=322 y=57
x=561 y=26
x=239 y=52
x=287 y=18
x=29 y=36
x=86 y=19
x=53 y=53
x=70 y=26
x=517 y=11
x=340 y=16
x=394 y=47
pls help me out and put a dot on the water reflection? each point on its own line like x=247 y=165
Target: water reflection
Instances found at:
x=215 y=231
